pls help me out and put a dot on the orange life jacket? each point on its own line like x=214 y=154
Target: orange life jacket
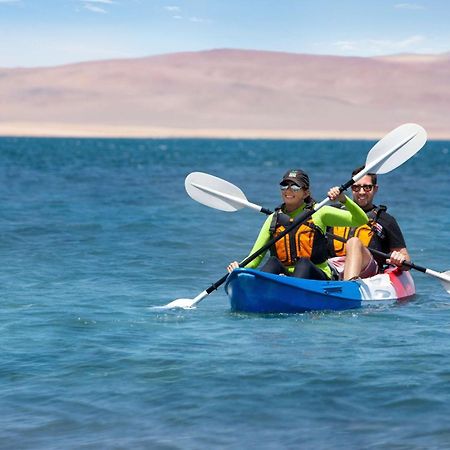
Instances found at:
x=366 y=233
x=305 y=241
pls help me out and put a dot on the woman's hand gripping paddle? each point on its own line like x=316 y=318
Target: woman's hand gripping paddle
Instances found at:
x=388 y=154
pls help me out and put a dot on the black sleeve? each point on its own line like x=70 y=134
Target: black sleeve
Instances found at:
x=394 y=236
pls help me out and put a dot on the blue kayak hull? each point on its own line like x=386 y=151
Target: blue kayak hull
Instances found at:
x=259 y=292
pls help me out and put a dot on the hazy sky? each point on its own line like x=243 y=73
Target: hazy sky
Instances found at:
x=52 y=32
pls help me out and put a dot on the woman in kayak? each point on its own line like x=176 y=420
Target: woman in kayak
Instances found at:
x=302 y=252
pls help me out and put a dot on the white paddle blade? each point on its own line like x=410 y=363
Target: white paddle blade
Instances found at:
x=444 y=277
x=446 y=283
x=396 y=148
x=214 y=192
x=184 y=303
x=187 y=303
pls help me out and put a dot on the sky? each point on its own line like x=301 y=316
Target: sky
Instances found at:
x=55 y=32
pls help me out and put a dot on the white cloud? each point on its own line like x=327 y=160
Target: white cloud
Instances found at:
x=413 y=6
x=196 y=19
x=345 y=45
x=380 y=46
x=176 y=14
x=94 y=8
x=412 y=40
x=173 y=9
x=94 y=5
x=393 y=46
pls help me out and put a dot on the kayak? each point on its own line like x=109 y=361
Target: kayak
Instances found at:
x=254 y=291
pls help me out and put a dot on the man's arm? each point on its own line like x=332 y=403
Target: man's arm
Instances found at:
x=397 y=245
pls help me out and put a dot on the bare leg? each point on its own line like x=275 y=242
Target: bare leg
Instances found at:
x=357 y=258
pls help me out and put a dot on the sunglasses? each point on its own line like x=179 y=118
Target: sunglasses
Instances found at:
x=366 y=187
x=294 y=187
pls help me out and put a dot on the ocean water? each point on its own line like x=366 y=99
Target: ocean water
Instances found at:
x=94 y=233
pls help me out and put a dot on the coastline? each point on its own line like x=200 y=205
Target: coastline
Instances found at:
x=58 y=130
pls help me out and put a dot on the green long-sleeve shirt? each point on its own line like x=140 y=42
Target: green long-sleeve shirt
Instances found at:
x=327 y=216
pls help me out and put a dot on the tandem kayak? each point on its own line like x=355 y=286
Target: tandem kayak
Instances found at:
x=254 y=291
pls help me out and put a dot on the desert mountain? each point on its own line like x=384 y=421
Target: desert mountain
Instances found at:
x=229 y=93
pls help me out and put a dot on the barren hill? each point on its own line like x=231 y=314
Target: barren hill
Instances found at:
x=229 y=93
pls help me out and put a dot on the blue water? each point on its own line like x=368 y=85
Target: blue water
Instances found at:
x=93 y=233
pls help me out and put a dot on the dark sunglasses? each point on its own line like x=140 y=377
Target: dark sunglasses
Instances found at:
x=294 y=187
x=366 y=187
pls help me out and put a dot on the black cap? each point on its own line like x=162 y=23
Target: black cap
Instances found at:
x=296 y=176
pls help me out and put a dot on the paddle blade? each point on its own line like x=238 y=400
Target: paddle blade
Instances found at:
x=446 y=283
x=401 y=144
x=190 y=303
x=214 y=192
x=184 y=303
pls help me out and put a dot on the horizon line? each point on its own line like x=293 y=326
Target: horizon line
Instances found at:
x=223 y=49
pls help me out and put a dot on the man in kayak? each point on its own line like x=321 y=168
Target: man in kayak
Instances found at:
x=352 y=259
x=303 y=251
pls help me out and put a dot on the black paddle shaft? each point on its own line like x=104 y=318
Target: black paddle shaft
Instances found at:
x=299 y=220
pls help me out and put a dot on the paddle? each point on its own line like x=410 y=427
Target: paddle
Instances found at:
x=443 y=277
x=217 y=193
x=388 y=154
x=225 y=201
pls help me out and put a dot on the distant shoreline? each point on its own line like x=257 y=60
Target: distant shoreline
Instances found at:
x=53 y=130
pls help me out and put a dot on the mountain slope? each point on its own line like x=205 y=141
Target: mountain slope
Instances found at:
x=230 y=92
